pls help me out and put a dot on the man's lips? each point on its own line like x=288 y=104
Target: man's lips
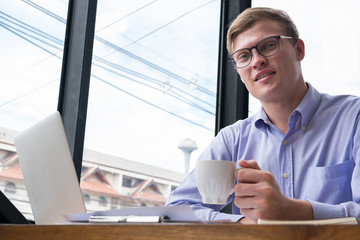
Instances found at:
x=259 y=76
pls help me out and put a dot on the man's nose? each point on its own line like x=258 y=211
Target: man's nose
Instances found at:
x=257 y=58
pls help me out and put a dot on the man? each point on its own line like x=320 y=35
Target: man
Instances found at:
x=299 y=155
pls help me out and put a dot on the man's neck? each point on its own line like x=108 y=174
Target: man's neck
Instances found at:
x=279 y=111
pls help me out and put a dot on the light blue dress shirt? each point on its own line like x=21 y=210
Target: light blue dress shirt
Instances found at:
x=318 y=159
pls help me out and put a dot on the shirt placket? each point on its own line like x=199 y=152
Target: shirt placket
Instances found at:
x=286 y=158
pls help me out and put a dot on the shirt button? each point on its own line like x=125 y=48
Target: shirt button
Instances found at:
x=285 y=175
x=285 y=142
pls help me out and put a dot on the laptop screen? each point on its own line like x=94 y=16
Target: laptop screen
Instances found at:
x=48 y=170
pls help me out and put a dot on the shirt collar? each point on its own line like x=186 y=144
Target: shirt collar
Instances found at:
x=261 y=120
x=308 y=105
x=306 y=108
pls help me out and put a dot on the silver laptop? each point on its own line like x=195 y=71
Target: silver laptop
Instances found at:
x=48 y=171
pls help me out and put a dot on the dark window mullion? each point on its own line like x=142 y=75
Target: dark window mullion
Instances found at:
x=75 y=74
x=232 y=95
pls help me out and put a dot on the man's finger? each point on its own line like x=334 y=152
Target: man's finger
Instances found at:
x=248 y=164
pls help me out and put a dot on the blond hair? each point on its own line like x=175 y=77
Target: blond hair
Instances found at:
x=250 y=16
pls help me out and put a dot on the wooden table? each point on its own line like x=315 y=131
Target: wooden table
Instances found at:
x=179 y=231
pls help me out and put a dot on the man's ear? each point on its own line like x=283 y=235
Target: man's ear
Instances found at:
x=300 y=49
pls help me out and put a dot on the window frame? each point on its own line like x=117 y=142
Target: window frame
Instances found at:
x=75 y=75
x=232 y=96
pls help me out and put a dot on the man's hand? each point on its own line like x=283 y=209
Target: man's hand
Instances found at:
x=258 y=195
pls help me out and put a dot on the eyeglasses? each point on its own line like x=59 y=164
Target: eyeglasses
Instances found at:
x=267 y=47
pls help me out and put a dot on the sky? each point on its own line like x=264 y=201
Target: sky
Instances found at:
x=143 y=132
x=153 y=78
x=154 y=69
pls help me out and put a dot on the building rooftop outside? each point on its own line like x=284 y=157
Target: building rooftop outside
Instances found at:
x=107 y=182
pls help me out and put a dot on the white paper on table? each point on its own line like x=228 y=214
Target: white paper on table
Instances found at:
x=181 y=213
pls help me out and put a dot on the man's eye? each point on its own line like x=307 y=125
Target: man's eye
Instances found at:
x=268 y=46
x=242 y=57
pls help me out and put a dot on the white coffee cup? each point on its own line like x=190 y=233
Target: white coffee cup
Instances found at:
x=215 y=180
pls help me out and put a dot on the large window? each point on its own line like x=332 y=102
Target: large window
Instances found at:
x=153 y=89
x=152 y=99
x=153 y=86
x=32 y=39
x=153 y=81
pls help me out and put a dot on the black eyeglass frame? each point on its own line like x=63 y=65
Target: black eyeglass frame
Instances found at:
x=257 y=49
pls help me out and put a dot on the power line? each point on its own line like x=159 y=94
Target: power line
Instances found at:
x=21 y=24
x=154 y=66
x=176 y=96
x=158 y=55
x=27 y=93
x=7 y=28
x=57 y=41
x=137 y=42
x=117 y=66
x=44 y=10
x=167 y=24
x=124 y=91
x=127 y=15
x=149 y=103
x=142 y=76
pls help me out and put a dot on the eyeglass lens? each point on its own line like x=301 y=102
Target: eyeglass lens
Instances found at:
x=266 y=47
